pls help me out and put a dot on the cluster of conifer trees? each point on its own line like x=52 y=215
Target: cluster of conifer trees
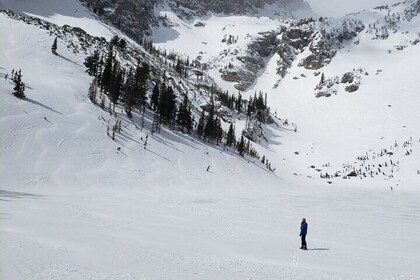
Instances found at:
x=237 y=103
x=130 y=88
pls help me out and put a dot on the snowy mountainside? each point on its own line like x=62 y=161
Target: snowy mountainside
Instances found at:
x=367 y=78
x=75 y=44
x=76 y=204
x=239 y=50
x=137 y=18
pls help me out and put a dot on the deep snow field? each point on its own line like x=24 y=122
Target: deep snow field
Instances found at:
x=72 y=206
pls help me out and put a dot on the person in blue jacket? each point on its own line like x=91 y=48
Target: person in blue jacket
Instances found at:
x=303 y=232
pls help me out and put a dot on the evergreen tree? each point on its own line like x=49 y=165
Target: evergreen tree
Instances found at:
x=155 y=97
x=209 y=129
x=241 y=146
x=92 y=63
x=218 y=133
x=54 y=46
x=114 y=40
x=265 y=101
x=156 y=123
x=231 y=138
x=184 y=115
x=140 y=84
x=167 y=106
x=19 y=88
x=239 y=103
x=93 y=91
x=259 y=102
x=129 y=91
x=107 y=73
x=201 y=124
x=122 y=44
x=116 y=83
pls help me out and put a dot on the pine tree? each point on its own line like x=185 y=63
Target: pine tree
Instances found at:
x=259 y=102
x=122 y=44
x=114 y=40
x=209 y=129
x=154 y=100
x=92 y=63
x=128 y=95
x=156 y=123
x=241 y=146
x=184 y=115
x=93 y=91
x=231 y=138
x=140 y=83
x=218 y=133
x=116 y=84
x=19 y=88
x=107 y=73
x=54 y=46
x=167 y=106
x=239 y=103
x=201 y=124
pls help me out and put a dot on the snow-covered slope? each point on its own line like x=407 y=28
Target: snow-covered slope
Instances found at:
x=74 y=204
x=332 y=131
x=60 y=12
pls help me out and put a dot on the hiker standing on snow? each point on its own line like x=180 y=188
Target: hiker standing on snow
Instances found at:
x=303 y=232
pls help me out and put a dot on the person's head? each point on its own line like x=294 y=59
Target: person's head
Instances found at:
x=303 y=220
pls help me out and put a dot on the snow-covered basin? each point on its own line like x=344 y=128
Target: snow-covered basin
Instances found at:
x=74 y=207
x=211 y=232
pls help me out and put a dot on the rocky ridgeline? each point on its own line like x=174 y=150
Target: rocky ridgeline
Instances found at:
x=390 y=23
x=136 y=17
x=322 y=38
x=75 y=38
x=288 y=42
x=250 y=62
x=190 y=8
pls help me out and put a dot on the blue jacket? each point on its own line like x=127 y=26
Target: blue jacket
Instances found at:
x=303 y=229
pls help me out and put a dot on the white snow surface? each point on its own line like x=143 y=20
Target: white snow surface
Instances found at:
x=72 y=206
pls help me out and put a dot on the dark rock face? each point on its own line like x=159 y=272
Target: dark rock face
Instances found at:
x=352 y=174
x=78 y=30
x=201 y=7
x=287 y=56
x=265 y=45
x=352 y=88
x=136 y=17
x=253 y=61
x=298 y=38
x=231 y=77
x=199 y=24
x=347 y=78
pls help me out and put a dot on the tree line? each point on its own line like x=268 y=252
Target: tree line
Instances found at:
x=129 y=87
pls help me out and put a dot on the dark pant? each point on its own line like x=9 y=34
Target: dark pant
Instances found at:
x=303 y=238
